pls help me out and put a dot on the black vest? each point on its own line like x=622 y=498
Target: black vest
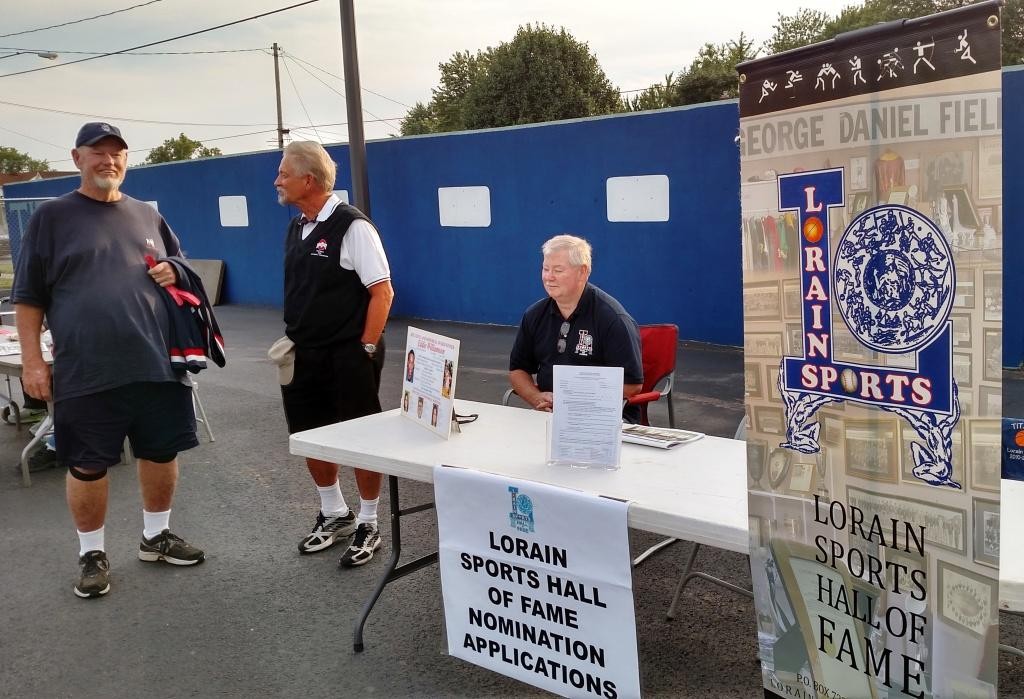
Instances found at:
x=324 y=304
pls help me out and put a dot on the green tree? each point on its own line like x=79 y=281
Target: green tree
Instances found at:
x=419 y=120
x=542 y=74
x=711 y=76
x=457 y=75
x=13 y=161
x=657 y=96
x=180 y=148
x=1013 y=32
x=810 y=26
x=800 y=29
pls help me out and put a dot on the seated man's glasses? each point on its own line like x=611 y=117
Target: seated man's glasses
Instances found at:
x=562 y=332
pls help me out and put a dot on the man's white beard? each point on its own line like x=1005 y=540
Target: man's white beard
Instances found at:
x=107 y=184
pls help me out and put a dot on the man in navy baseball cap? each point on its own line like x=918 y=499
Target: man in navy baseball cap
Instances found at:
x=82 y=267
x=96 y=131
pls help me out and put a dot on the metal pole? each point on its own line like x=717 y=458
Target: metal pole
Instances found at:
x=354 y=102
x=277 y=87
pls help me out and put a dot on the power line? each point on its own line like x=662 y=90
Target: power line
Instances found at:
x=340 y=137
x=204 y=141
x=77 y=21
x=158 y=122
x=31 y=138
x=338 y=77
x=129 y=53
x=337 y=92
x=301 y=103
x=127 y=119
x=365 y=121
x=216 y=138
x=237 y=135
x=162 y=41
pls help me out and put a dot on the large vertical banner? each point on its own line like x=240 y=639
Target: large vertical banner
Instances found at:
x=872 y=295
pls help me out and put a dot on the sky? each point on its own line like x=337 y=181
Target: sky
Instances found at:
x=218 y=97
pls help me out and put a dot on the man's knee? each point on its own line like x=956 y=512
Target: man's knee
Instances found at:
x=87 y=474
x=160 y=458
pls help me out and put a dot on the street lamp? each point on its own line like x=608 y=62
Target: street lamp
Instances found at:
x=42 y=54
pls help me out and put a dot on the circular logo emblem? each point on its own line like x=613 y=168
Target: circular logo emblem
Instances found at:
x=893 y=279
x=524 y=504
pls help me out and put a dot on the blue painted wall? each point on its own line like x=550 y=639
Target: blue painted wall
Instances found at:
x=544 y=180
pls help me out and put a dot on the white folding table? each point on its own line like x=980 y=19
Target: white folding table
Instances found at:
x=696 y=492
x=10 y=364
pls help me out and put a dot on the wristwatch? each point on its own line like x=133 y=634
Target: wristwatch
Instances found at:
x=370 y=348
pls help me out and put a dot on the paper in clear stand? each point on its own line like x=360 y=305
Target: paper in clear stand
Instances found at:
x=586 y=421
x=428 y=387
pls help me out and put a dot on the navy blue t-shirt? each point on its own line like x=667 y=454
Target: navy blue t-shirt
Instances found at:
x=83 y=262
x=601 y=333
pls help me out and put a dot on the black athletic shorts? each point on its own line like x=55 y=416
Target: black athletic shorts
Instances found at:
x=156 y=417
x=332 y=384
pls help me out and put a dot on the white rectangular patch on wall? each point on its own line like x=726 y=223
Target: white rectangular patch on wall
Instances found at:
x=342 y=194
x=637 y=198
x=464 y=207
x=233 y=211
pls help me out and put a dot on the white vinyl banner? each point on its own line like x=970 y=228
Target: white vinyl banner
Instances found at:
x=537 y=583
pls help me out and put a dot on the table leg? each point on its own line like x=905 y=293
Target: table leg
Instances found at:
x=12 y=406
x=392 y=570
x=689 y=574
x=664 y=543
x=1011 y=649
x=40 y=435
x=1006 y=648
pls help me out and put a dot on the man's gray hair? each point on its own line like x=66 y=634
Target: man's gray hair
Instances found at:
x=578 y=249
x=311 y=159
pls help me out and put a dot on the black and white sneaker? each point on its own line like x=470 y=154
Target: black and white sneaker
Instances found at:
x=327 y=530
x=170 y=548
x=360 y=551
x=95 y=578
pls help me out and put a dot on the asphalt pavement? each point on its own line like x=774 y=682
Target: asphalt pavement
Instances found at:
x=259 y=620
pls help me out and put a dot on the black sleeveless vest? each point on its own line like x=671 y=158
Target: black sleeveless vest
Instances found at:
x=324 y=304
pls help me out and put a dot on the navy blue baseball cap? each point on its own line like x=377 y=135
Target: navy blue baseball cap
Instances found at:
x=96 y=131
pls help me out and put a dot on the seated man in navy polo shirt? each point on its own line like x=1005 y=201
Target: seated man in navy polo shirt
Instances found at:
x=578 y=324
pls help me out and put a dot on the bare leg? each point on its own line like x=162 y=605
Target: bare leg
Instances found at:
x=87 y=501
x=368 y=483
x=157 y=482
x=324 y=473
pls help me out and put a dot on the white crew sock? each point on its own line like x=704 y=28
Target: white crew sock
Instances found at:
x=332 y=502
x=154 y=522
x=90 y=541
x=367 y=511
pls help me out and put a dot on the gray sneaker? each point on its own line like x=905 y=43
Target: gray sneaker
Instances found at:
x=95 y=579
x=326 y=531
x=364 y=543
x=172 y=549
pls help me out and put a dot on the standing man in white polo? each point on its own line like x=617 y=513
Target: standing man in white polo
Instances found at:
x=337 y=296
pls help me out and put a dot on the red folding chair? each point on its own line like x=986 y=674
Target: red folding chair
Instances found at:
x=658 y=345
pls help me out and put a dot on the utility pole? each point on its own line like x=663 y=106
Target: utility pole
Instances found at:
x=277 y=88
x=354 y=102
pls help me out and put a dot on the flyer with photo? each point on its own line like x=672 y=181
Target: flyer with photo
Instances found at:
x=428 y=386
